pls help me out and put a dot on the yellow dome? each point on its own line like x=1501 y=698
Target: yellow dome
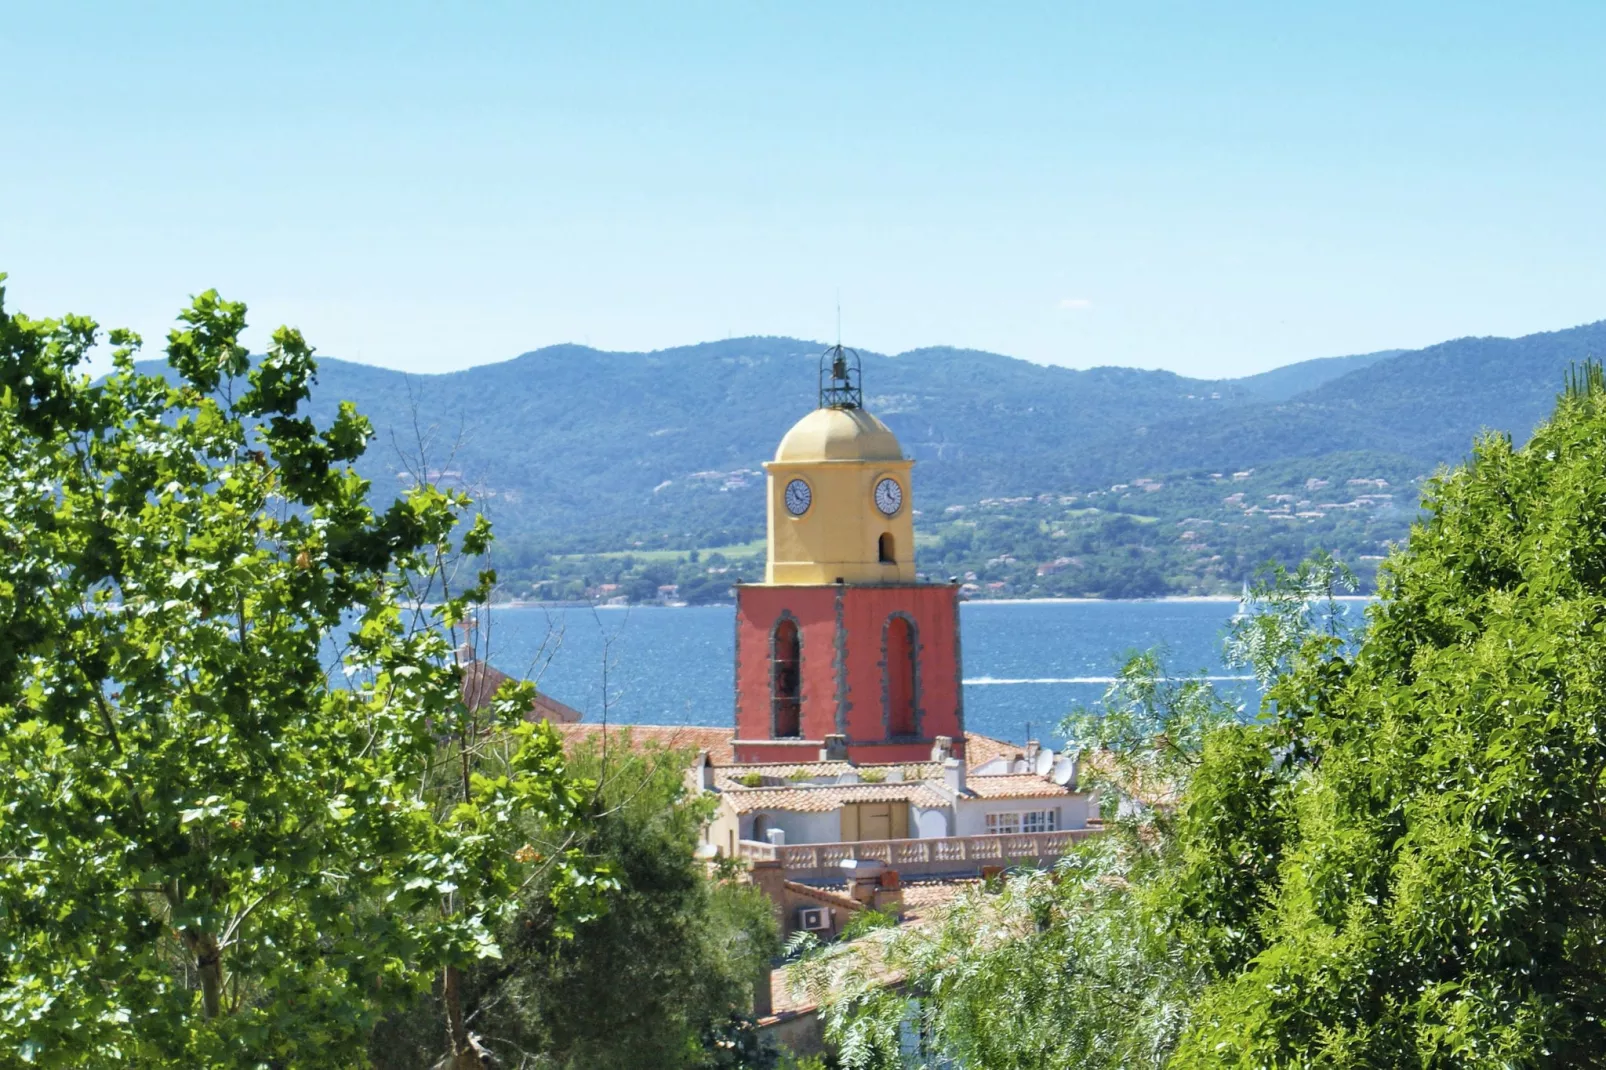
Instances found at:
x=839 y=435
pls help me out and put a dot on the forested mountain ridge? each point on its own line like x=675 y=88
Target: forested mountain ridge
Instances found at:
x=575 y=450
x=1280 y=384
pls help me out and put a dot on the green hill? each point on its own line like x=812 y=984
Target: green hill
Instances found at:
x=577 y=452
x=1280 y=384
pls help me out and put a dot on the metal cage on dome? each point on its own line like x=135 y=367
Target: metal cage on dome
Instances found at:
x=840 y=379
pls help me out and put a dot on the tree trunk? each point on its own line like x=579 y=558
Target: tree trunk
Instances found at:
x=209 y=964
x=463 y=1050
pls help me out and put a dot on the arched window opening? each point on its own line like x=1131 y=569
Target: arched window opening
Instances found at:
x=786 y=679
x=900 y=678
x=888 y=548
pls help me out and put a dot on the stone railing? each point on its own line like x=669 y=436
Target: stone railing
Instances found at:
x=955 y=855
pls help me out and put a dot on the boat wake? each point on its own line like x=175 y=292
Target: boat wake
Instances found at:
x=987 y=681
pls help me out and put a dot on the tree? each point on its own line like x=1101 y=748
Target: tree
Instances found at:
x=214 y=851
x=1439 y=898
x=1062 y=968
x=1400 y=863
x=1101 y=961
x=661 y=979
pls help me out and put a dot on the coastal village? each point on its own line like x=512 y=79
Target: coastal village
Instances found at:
x=847 y=781
x=459 y=610
x=1205 y=529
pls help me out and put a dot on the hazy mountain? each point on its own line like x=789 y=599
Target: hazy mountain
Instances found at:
x=1280 y=384
x=574 y=445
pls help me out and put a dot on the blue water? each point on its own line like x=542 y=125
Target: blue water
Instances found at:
x=1024 y=662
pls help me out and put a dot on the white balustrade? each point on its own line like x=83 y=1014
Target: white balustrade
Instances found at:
x=913 y=857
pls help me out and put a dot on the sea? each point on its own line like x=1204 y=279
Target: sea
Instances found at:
x=1026 y=664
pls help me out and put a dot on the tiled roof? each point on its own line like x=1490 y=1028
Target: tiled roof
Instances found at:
x=775 y=774
x=923 y=900
x=716 y=741
x=778 y=774
x=824 y=799
x=821 y=895
x=482 y=680
x=1013 y=786
x=979 y=749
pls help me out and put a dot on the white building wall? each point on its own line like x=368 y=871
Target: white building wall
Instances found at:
x=925 y=823
x=800 y=827
x=971 y=814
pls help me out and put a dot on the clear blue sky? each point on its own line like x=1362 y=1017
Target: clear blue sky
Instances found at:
x=1211 y=188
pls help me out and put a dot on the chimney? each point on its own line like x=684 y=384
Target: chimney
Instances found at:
x=835 y=749
x=1032 y=747
x=888 y=895
x=942 y=748
x=863 y=877
x=953 y=775
x=769 y=877
x=763 y=999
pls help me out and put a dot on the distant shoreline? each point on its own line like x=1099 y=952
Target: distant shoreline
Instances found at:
x=1221 y=598
x=1163 y=598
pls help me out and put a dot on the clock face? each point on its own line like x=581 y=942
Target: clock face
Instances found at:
x=888 y=496
x=798 y=496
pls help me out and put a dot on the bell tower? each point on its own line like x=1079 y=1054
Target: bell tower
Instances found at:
x=840 y=640
x=839 y=510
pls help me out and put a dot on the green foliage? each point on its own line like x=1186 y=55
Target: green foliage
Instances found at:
x=1399 y=864
x=1146 y=735
x=210 y=852
x=661 y=978
x=1069 y=968
x=1291 y=608
x=1439 y=890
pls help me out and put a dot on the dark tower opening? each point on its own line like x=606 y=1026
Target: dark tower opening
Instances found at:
x=786 y=679
x=889 y=554
x=900 y=678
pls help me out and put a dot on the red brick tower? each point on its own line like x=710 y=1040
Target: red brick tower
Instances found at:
x=840 y=649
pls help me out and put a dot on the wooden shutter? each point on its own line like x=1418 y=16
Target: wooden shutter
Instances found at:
x=850 y=822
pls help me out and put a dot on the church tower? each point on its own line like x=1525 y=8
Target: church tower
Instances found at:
x=840 y=649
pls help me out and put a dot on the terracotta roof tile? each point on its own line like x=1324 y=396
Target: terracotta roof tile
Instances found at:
x=824 y=799
x=1013 y=786
x=979 y=749
x=482 y=680
x=824 y=896
x=716 y=741
x=923 y=900
x=778 y=774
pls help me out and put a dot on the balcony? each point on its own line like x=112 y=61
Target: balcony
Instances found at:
x=948 y=856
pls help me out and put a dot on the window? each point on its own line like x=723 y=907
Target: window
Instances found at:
x=1040 y=821
x=899 y=682
x=999 y=823
x=888 y=549
x=1029 y=821
x=786 y=679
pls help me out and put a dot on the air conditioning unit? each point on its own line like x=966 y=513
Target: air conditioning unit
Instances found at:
x=813 y=919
